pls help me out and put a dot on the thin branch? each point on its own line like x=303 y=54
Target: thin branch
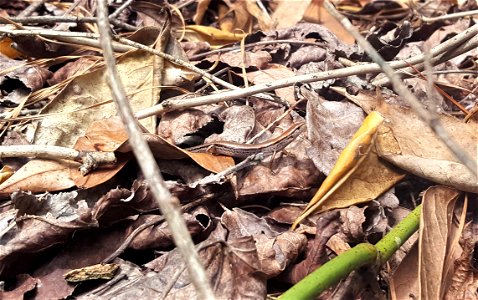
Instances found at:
x=65 y=19
x=449 y=52
x=454 y=46
x=128 y=45
x=429 y=117
x=177 y=61
x=451 y=16
x=468 y=37
x=116 y=13
x=89 y=159
x=251 y=160
x=168 y=204
x=31 y=8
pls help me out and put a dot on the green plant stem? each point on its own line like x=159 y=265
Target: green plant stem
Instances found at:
x=398 y=235
x=364 y=254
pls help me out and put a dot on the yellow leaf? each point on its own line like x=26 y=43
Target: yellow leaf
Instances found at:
x=213 y=35
x=5 y=173
x=349 y=160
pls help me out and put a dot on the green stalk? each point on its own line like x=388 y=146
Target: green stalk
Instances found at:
x=364 y=254
x=399 y=234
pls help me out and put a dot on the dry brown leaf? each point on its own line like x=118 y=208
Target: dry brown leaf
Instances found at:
x=317 y=14
x=334 y=124
x=137 y=73
x=465 y=282
x=438 y=238
x=102 y=135
x=24 y=285
x=110 y=135
x=258 y=59
x=368 y=182
x=404 y=282
x=276 y=250
x=262 y=16
x=39 y=176
x=232 y=264
x=287 y=13
x=202 y=6
x=410 y=144
x=271 y=73
x=234 y=17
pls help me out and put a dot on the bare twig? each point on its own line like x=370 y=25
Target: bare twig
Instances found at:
x=450 y=51
x=31 y=8
x=64 y=19
x=463 y=41
x=128 y=45
x=451 y=16
x=89 y=159
x=428 y=117
x=251 y=160
x=168 y=203
x=468 y=37
x=116 y=13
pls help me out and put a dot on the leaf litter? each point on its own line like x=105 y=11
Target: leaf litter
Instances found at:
x=55 y=221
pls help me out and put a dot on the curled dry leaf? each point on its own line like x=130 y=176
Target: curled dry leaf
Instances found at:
x=358 y=175
x=276 y=250
x=231 y=263
x=426 y=268
x=405 y=141
x=42 y=222
x=464 y=283
x=438 y=242
x=315 y=252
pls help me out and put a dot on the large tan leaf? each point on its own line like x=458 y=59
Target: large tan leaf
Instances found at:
x=426 y=270
x=410 y=144
x=288 y=13
x=136 y=72
x=438 y=239
x=39 y=176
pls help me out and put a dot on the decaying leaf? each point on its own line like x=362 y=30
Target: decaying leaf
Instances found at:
x=439 y=236
x=99 y=271
x=408 y=143
x=427 y=269
x=86 y=90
